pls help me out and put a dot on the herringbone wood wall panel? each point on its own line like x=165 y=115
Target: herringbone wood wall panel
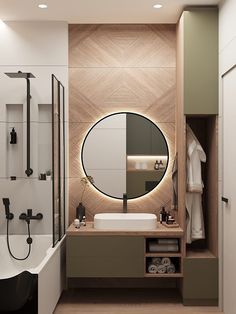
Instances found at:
x=120 y=68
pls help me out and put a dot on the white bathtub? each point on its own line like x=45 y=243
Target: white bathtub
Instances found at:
x=46 y=262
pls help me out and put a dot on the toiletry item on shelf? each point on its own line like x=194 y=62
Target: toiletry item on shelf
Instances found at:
x=13 y=178
x=80 y=212
x=163 y=214
x=161 y=269
x=83 y=222
x=42 y=176
x=13 y=136
x=152 y=269
x=172 y=225
x=170 y=269
x=156 y=165
x=48 y=175
x=166 y=261
x=77 y=223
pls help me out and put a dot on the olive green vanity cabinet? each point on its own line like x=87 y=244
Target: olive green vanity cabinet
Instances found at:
x=105 y=256
x=200 y=63
x=200 y=281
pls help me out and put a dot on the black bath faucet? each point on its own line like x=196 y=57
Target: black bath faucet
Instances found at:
x=29 y=216
x=6 y=203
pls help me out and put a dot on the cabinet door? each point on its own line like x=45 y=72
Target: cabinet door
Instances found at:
x=102 y=256
x=200 y=281
x=201 y=61
x=229 y=209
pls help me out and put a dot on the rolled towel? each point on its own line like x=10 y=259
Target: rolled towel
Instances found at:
x=156 y=260
x=171 y=269
x=166 y=261
x=161 y=269
x=152 y=269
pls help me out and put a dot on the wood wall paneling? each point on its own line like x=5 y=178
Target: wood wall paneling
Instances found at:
x=116 y=68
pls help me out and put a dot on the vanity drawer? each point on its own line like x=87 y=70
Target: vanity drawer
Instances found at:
x=100 y=246
x=103 y=256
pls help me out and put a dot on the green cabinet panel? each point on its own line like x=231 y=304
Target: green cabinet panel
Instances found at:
x=201 y=61
x=200 y=281
x=143 y=137
x=138 y=135
x=158 y=143
x=103 y=256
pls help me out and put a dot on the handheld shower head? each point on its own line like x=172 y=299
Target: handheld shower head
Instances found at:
x=6 y=203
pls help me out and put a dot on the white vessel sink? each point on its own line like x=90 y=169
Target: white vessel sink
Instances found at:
x=125 y=221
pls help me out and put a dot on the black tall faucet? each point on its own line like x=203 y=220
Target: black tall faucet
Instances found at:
x=125 y=203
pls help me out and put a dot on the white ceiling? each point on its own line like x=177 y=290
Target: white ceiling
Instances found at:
x=97 y=11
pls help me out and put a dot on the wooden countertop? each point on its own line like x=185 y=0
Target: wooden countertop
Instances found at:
x=89 y=230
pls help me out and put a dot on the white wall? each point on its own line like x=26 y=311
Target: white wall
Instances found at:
x=227 y=59
x=42 y=49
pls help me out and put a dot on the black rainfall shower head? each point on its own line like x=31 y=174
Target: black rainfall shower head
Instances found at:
x=20 y=74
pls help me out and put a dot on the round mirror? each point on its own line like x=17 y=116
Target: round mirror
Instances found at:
x=125 y=153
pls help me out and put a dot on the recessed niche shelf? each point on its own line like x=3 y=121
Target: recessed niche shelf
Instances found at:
x=14 y=152
x=44 y=138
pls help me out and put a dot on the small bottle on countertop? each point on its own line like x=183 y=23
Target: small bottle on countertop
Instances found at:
x=163 y=214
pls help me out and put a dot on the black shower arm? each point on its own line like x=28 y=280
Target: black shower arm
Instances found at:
x=29 y=170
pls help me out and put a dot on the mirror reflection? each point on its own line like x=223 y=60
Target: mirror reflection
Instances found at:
x=125 y=153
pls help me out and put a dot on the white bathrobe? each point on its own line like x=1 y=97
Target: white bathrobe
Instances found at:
x=195 y=220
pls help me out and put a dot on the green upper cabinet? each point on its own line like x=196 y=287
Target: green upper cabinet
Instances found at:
x=138 y=135
x=143 y=137
x=200 y=52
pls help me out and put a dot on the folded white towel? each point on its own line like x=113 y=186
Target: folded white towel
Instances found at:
x=161 y=269
x=167 y=241
x=171 y=269
x=156 y=260
x=153 y=247
x=166 y=261
x=152 y=269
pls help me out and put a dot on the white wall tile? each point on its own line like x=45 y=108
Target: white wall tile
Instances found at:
x=111 y=182
x=105 y=149
x=34 y=43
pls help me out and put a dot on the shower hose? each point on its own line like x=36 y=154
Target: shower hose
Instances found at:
x=28 y=240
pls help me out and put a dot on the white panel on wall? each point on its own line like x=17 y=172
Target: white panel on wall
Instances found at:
x=105 y=149
x=113 y=122
x=34 y=43
x=27 y=194
x=113 y=182
x=13 y=91
x=42 y=49
x=227 y=22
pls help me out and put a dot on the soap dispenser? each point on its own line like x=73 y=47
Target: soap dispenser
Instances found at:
x=163 y=214
x=13 y=136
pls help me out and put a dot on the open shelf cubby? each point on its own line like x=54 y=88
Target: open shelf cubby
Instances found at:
x=172 y=249
x=205 y=128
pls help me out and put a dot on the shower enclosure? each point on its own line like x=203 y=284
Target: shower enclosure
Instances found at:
x=58 y=159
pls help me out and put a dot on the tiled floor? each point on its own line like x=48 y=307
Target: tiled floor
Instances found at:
x=126 y=301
